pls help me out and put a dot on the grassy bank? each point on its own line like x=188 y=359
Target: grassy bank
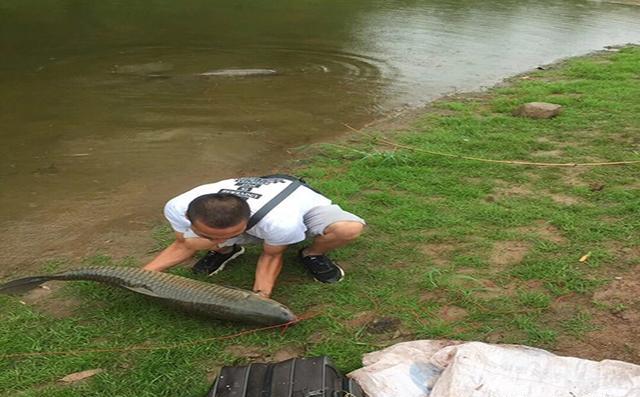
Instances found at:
x=455 y=248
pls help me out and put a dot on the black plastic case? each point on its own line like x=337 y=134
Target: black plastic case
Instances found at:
x=297 y=377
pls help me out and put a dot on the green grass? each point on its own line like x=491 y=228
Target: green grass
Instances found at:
x=498 y=242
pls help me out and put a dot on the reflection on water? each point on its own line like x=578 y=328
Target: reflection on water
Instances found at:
x=95 y=96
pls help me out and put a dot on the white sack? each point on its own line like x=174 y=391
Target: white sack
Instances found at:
x=473 y=369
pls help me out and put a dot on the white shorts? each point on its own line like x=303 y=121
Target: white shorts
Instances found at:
x=316 y=220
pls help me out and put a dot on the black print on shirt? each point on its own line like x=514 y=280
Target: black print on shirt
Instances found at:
x=242 y=194
x=251 y=183
x=245 y=185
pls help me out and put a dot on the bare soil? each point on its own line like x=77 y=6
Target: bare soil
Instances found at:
x=615 y=315
x=40 y=299
x=508 y=253
x=545 y=231
x=118 y=225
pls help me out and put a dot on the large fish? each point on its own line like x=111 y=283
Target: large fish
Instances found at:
x=205 y=298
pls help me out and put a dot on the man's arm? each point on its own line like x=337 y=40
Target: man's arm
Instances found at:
x=268 y=269
x=179 y=251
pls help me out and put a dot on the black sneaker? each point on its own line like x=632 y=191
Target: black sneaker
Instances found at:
x=213 y=261
x=322 y=268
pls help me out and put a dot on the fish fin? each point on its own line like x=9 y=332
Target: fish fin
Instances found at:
x=23 y=284
x=141 y=289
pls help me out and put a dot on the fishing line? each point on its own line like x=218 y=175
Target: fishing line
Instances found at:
x=516 y=162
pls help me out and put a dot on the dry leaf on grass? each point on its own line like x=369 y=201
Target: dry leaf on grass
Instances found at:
x=584 y=258
x=77 y=376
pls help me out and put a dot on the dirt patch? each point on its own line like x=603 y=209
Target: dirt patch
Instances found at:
x=317 y=338
x=452 y=313
x=287 y=352
x=566 y=306
x=432 y=296
x=361 y=319
x=548 y=153
x=508 y=253
x=610 y=219
x=42 y=299
x=490 y=290
x=614 y=338
x=530 y=285
x=438 y=253
x=65 y=239
x=625 y=254
x=399 y=265
x=563 y=199
x=544 y=230
x=511 y=191
x=573 y=176
x=383 y=325
x=625 y=290
x=615 y=319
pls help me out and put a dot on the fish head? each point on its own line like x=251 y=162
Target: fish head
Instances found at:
x=274 y=313
x=286 y=315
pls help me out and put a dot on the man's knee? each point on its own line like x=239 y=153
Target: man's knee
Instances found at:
x=345 y=230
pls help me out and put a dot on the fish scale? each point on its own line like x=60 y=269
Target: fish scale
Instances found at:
x=205 y=298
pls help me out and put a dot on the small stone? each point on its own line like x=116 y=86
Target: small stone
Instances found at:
x=538 y=110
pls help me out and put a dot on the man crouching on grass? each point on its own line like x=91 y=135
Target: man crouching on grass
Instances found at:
x=275 y=211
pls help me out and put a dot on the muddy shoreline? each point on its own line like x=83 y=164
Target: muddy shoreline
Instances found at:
x=118 y=224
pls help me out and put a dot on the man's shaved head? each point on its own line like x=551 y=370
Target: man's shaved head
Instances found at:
x=218 y=210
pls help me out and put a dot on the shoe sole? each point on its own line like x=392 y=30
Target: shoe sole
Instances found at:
x=334 y=282
x=232 y=257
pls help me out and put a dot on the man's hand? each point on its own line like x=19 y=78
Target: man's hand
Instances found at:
x=179 y=251
x=268 y=269
x=262 y=294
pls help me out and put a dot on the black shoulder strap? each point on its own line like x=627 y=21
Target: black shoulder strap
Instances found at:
x=257 y=217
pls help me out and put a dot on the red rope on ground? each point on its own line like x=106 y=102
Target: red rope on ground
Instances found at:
x=285 y=326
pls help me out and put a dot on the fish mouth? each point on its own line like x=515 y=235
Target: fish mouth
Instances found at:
x=290 y=317
x=285 y=315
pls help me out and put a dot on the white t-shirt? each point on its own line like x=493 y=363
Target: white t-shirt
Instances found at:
x=283 y=225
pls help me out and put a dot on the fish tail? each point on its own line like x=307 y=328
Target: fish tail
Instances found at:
x=23 y=284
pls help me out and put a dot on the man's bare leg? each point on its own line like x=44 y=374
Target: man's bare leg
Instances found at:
x=335 y=236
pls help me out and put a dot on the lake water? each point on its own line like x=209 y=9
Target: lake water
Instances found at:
x=104 y=113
